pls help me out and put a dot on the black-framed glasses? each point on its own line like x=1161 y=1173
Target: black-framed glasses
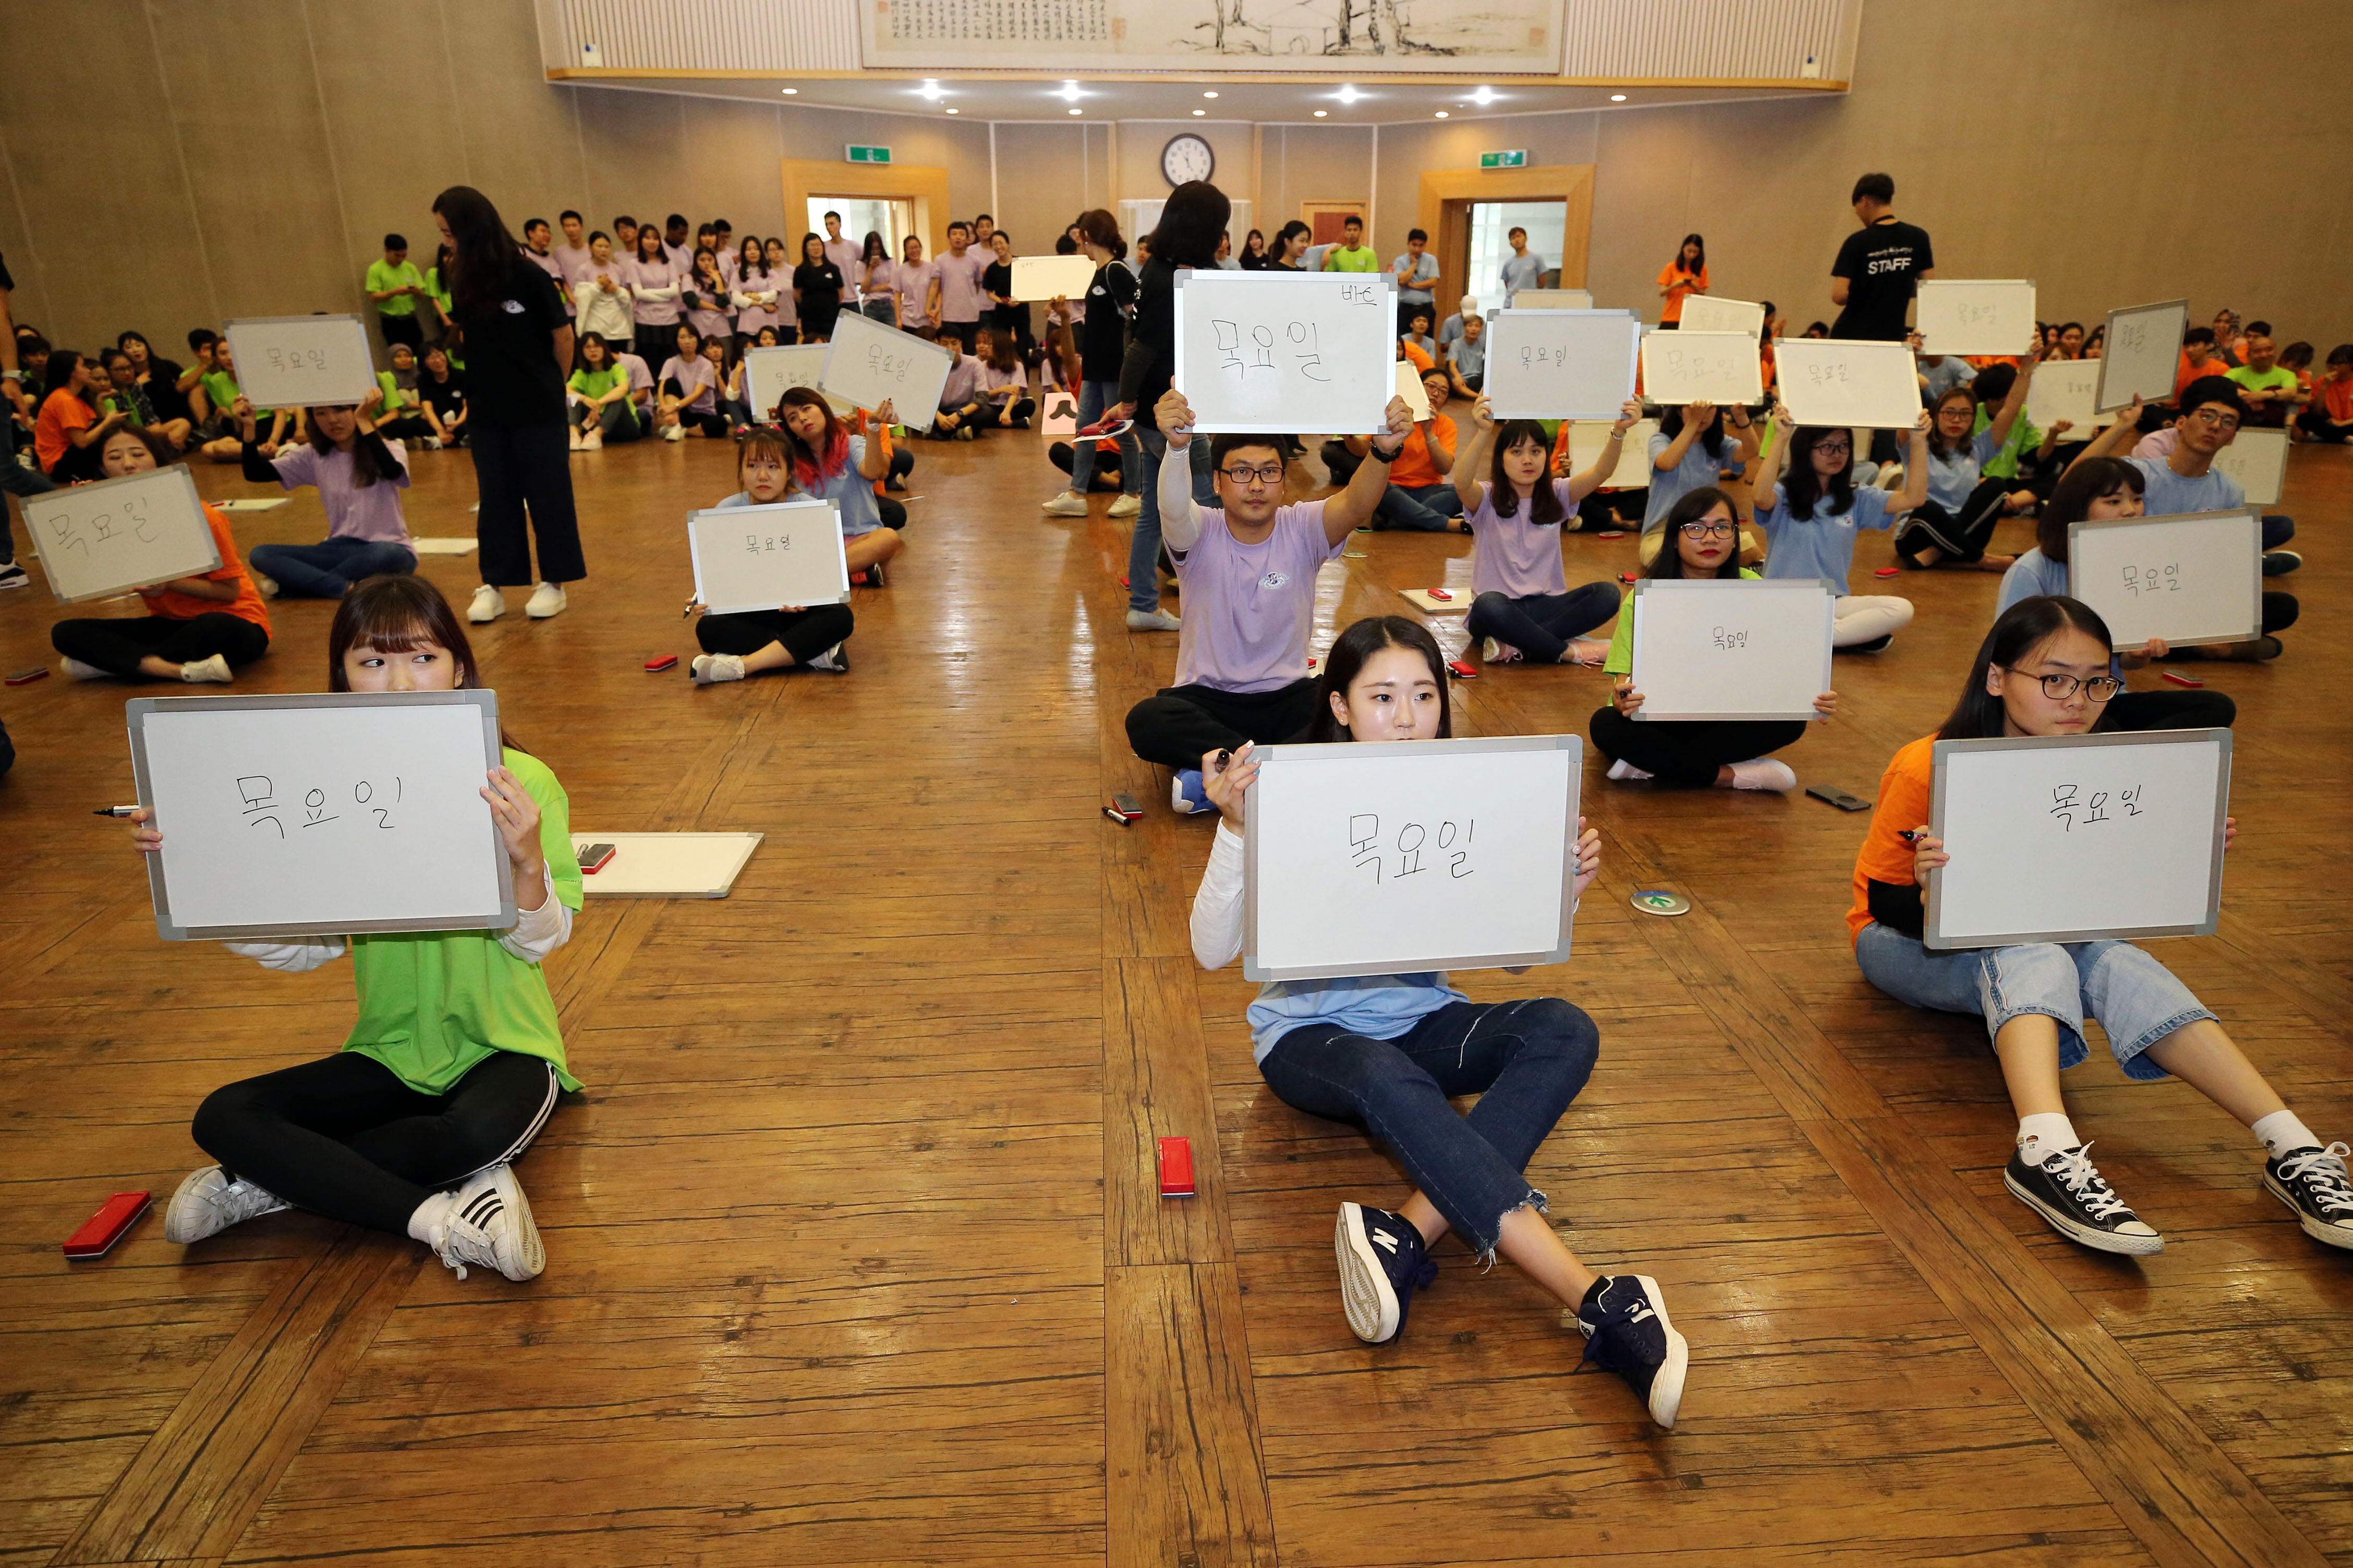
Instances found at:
x=2059 y=687
x=1709 y=529
x=1265 y=474
x=1842 y=449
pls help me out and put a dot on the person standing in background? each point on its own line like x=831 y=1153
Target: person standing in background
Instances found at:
x=537 y=239
x=1352 y=254
x=843 y=253
x=1416 y=280
x=1525 y=268
x=961 y=296
x=654 y=286
x=817 y=291
x=1684 y=276
x=1879 y=267
x=875 y=280
x=675 y=243
x=918 y=282
x=395 y=286
x=572 y=256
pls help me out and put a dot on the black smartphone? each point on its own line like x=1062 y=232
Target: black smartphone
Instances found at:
x=1837 y=798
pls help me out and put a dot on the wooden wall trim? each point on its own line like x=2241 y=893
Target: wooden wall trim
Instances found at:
x=924 y=185
x=1571 y=183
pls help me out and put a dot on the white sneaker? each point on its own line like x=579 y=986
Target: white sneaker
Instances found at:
x=1764 y=772
x=1627 y=773
x=1065 y=505
x=75 y=669
x=592 y=442
x=213 y=671
x=833 y=661
x=1126 y=506
x=1493 y=652
x=491 y=1227
x=546 y=600
x=675 y=433
x=13 y=575
x=489 y=606
x=266 y=587
x=431 y=443
x=577 y=442
x=209 y=1202
x=712 y=668
x=1152 y=621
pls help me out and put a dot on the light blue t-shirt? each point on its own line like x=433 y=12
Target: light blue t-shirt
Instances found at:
x=1450 y=329
x=1470 y=356
x=2170 y=495
x=1378 y=1007
x=2034 y=575
x=1947 y=374
x=850 y=491
x=1952 y=478
x=1695 y=471
x=1822 y=545
x=1424 y=269
x=1523 y=271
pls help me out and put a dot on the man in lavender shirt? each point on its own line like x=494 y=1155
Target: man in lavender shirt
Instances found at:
x=1249 y=577
x=845 y=254
x=961 y=295
x=572 y=256
x=536 y=236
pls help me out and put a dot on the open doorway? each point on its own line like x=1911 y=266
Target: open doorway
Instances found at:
x=1490 y=243
x=892 y=217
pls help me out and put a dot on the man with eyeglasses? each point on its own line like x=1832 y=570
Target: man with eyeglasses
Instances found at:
x=1249 y=575
x=2177 y=464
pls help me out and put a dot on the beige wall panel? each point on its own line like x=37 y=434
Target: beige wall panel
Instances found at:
x=402 y=125
x=635 y=147
x=1037 y=190
x=523 y=148
x=1315 y=163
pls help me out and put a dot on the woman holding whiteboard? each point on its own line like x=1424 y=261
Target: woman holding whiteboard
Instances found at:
x=750 y=641
x=1725 y=752
x=1387 y=1051
x=1811 y=519
x=1523 y=607
x=454 y=1062
x=2043 y=670
x=1689 y=452
x=1956 y=522
x=359 y=476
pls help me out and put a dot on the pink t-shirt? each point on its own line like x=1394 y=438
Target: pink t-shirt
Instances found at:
x=354 y=511
x=913 y=282
x=641 y=276
x=1515 y=558
x=2158 y=444
x=961 y=295
x=1247 y=606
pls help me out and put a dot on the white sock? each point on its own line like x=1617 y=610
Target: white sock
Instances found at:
x=2041 y=1135
x=2284 y=1130
x=431 y=1221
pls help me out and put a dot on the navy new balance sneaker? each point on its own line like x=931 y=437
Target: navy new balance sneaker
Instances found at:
x=1627 y=1332
x=1382 y=1263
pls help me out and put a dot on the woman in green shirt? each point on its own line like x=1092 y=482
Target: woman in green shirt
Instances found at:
x=599 y=387
x=454 y=1062
x=402 y=414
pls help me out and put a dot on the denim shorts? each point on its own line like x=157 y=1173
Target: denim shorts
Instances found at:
x=2137 y=999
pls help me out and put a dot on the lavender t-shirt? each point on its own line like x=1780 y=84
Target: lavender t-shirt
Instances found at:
x=354 y=511
x=961 y=295
x=644 y=275
x=913 y=282
x=1247 y=606
x=1515 y=558
x=697 y=382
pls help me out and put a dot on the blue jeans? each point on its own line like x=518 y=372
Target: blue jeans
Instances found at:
x=1541 y=624
x=17 y=481
x=1095 y=396
x=324 y=570
x=1525 y=1060
x=1144 y=550
x=1425 y=509
x=2137 y=999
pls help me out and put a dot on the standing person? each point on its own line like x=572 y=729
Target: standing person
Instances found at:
x=961 y=294
x=359 y=476
x=1352 y=254
x=1417 y=281
x=538 y=241
x=1684 y=276
x=15 y=477
x=518 y=352
x=875 y=281
x=1290 y=251
x=572 y=256
x=677 y=244
x=1879 y=267
x=625 y=236
x=843 y=253
x=818 y=283
x=1102 y=349
x=1006 y=316
x=709 y=308
x=395 y=286
x=984 y=234
x=918 y=283
x=1523 y=268
x=655 y=283
x=761 y=297
x=601 y=294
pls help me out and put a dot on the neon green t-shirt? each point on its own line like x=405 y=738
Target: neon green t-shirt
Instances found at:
x=221 y=387
x=382 y=275
x=2279 y=378
x=435 y=1005
x=1622 y=641
x=594 y=383
x=395 y=399
x=2023 y=438
x=433 y=286
x=1340 y=258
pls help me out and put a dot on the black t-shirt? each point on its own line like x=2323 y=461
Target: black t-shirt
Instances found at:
x=819 y=283
x=1102 y=340
x=163 y=392
x=511 y=355
x=6 y=282
x=994 y=280
x=445 y=396
x=1881 y=263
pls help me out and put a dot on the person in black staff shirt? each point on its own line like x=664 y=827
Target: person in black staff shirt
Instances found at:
x=517 y=354
x=1878 y=266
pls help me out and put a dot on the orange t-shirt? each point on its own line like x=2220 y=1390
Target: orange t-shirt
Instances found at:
x=61 y=415
x=172 y=604
x=1903 y=791
x=861 y=426
x=1680 y=283
x=2335 y=398
x=1413 y=467
x=1421 y=360
x=2186 y=372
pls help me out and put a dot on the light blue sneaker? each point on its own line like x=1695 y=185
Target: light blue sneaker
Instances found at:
x=1186 y=794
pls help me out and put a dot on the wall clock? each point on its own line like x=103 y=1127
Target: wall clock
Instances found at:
x=1187 y=157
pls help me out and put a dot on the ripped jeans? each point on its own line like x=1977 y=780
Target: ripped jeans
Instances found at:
x=1525 y=1060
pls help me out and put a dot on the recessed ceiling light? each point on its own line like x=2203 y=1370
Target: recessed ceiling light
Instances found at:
x=1617 y=97
x=1070 y=92
x=951 y=111
x=931 y=89
x=1441 y=115
x=1322 y=113
x=1198 y=112
x=1208 y=95
x=1484 y=96
x=1078 y=111
x=1348 y=93
x=790 y=91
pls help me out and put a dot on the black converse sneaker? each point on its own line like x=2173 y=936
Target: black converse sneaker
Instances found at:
x=1627 y=1332
x=2078 y=1203
x=2313 y=1182
x=1382 y=1263
x=490 y=1226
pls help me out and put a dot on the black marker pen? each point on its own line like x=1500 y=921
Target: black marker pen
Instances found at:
x=114 y=811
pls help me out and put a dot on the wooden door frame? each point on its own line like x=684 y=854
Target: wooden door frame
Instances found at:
x=925 y=185
x=1309 y=211
x=1447 y=196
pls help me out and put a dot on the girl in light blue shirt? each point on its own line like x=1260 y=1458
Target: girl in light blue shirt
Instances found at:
x=1810 y=521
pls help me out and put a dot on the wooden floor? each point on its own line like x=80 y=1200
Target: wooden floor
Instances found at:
x=855 y=1251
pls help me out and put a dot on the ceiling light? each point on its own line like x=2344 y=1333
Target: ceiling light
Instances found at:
x=1078 y=111
x=1441 y=115
x=1208 y=95
x=1348 y=93
x=931 y=89
x=790 y=91
x=1617 y=97
x=1484 y=96
x=1070 y=93
x=951 y=111
x=1198 y=112
x=1322 y=113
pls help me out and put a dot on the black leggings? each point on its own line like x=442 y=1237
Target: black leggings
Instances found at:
x=1541 y=624
x=1962 y=538
x=1183 y=723
x=1688 y=751
x=117 y=646
x=406 y=427
x=346 y=1138
x=805 y=633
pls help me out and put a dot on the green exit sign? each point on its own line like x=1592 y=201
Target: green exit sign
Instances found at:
x=858 y=154
x=1517 y=158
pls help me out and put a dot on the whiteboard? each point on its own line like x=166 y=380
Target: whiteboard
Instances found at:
x=1686 y=367
x=868 y=362
x=323 y=815
x=293 y=361
x=1551 y=300
x=1278 y=352
x=1052 y=276
x=1561 y=365
x=100 y=540
x=2142 y=354
x=768 y=557
x=1708 y=649
x=1409 y=855
x=1848 y=381
x=2067 y=389
x=770 y=373
x=1410 y=387
x=1974 y=316
x=2258 y=460
x=1587 y=438
x=2191 y=579
x=2076 y=838
x=1710 y=313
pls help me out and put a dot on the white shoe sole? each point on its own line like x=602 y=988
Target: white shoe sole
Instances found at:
x=534 y=1251
x=1365 y=1291
x=2327 y=1235
x=1667 y=1384
x=2084 y=1234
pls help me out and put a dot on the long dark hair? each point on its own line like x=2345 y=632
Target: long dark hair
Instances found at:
x=1697 y=263
x=2093 y=479
x=811 y=237
x=1938 y=447
x=638 y=248
x=875 y=250
x=1282 y=235
x=58 y=374
x=365 y=471
x=395 y=615
x=1190 y=225
x=756 y=252
x=1694 y=506
x=487 y=259
x=1670 y=425
x=1801 y=488
x=1346 y=658
x=1544 y=510
x=2022 y=628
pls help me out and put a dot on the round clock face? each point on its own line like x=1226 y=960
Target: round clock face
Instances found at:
x=1187 y=158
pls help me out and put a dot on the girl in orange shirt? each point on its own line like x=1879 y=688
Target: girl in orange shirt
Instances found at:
x=68 y=430
x=1686 y=273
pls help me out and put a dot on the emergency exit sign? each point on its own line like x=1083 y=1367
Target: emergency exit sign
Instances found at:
x=858 y=154
x=1517 y=158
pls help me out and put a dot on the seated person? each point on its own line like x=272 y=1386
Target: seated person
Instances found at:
x=960 y=414
x=2268 y=389
x=602 y=409
x=401 y=400
x=1466 y=357
x=443 y=388
x=123 y=393
x=359 y=476
x=745 y=644
x=688 y=391
x=2329 y=416
x=1004 y=384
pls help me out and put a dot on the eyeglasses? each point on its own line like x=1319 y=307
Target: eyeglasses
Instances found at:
x=1708 y=530
x=2216 y=419
x=2059 y=687
x=1268 y=473
x=1840 y=450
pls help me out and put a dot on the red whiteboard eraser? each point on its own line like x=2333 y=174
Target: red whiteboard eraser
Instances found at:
x=1176 y=1167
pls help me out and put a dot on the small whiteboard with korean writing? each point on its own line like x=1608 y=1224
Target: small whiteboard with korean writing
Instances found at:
x=2078 y=837
x=1052 y=276
x=1685 y=367
x=1587 y=438
x=1561 y=365
x=1551 y=300
x=1974 y=316
x=2192 y=579
x=1848 y=381
x=768 y=557
x=2067 y=389
x=1413 y=856
x=323 y=815
x=100 y=540
x=867 y=363
x=770 y=373
x=1708 y=313
x=294 y=362
x=2142 y=353
x=2258 y=460
x=1278 y=352
x=1706 y=648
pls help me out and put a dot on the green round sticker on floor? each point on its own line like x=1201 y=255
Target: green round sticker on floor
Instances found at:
x=1658 y=902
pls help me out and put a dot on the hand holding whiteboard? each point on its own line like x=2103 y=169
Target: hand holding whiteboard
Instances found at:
x=1561 y=365
x=2066 y=389
x=1410 y=387
x=1685 y=367
x=770 y=373
x=1279 y=353
x=1848 y=382
x=1974 y=316
x=1588 y=438
x=869 y=364
x=2191 y=579
x=295 y=361
x=2078 y=837
x=789 y=555
x=1712 y=313
x=2142 y=353
x=1710 y=648
x=1052 y=276
x=100 y=540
